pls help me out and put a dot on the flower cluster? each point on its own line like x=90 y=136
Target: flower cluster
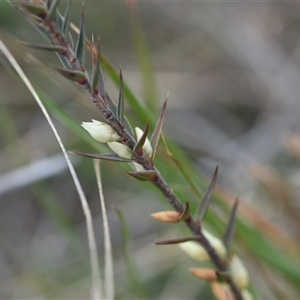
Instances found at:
x=104 y=133
x=236 y=269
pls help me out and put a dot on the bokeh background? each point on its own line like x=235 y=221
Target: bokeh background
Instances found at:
x=233 y=73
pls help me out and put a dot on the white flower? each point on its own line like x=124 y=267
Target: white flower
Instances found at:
x=120 y=149
x=197 y=252
x=100 y=131
x=238 y=272
x=147 y=145
x=194 y=250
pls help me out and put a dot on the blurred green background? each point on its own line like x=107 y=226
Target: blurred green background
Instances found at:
x=233 y=73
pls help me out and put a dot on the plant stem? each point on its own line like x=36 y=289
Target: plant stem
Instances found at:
x=57 y=38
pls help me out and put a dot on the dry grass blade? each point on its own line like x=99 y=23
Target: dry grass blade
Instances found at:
x=90 y=230
x=109 y=274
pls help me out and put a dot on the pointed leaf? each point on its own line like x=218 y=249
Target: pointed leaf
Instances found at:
x=43 y=46
x=114 y=108
x=139 y=145
x=72 y=75
x=106 y=156
x=66 y=21
x=120 y=109
x=177 y=241
x=31 y=20
x=148 y=175
x=158 y=129
x=52 y=9
x=112 y=105
x=128 y=126
x=42 y=31
x=59 y=20
x=63 y=60
x=81 y=39
x=228 y=235
x=207 y=197
x=96 y=65
x=71 y=40
x=34 y=9
x=101 y=88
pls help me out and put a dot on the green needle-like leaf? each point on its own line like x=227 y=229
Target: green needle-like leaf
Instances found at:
x=139 y=109
x=139 y=145
x=59 y=20
x=106 y=156
x=148 y=175
x=72 y=75
x=158 y=129
x=37 y=10
x=52 y=9
x=30 y=20
x=112 y=105
x=120 y=108
x=71 y=39
x=207 y=197
x=43 y=46
x=66 y=21
x=81 y=39
x=228 y=235
x=96 y=65
x=101 y=86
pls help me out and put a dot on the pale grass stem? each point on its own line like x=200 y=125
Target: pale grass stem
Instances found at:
x=108 y=259
x=96 y=282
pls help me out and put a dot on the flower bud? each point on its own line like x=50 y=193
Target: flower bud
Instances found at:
x=238 y=272
x=100 y=131
x=197 y=252
x=147 y=145
x=221 y=291
x=204 y=273
x=120 y=149
x=169 y=216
